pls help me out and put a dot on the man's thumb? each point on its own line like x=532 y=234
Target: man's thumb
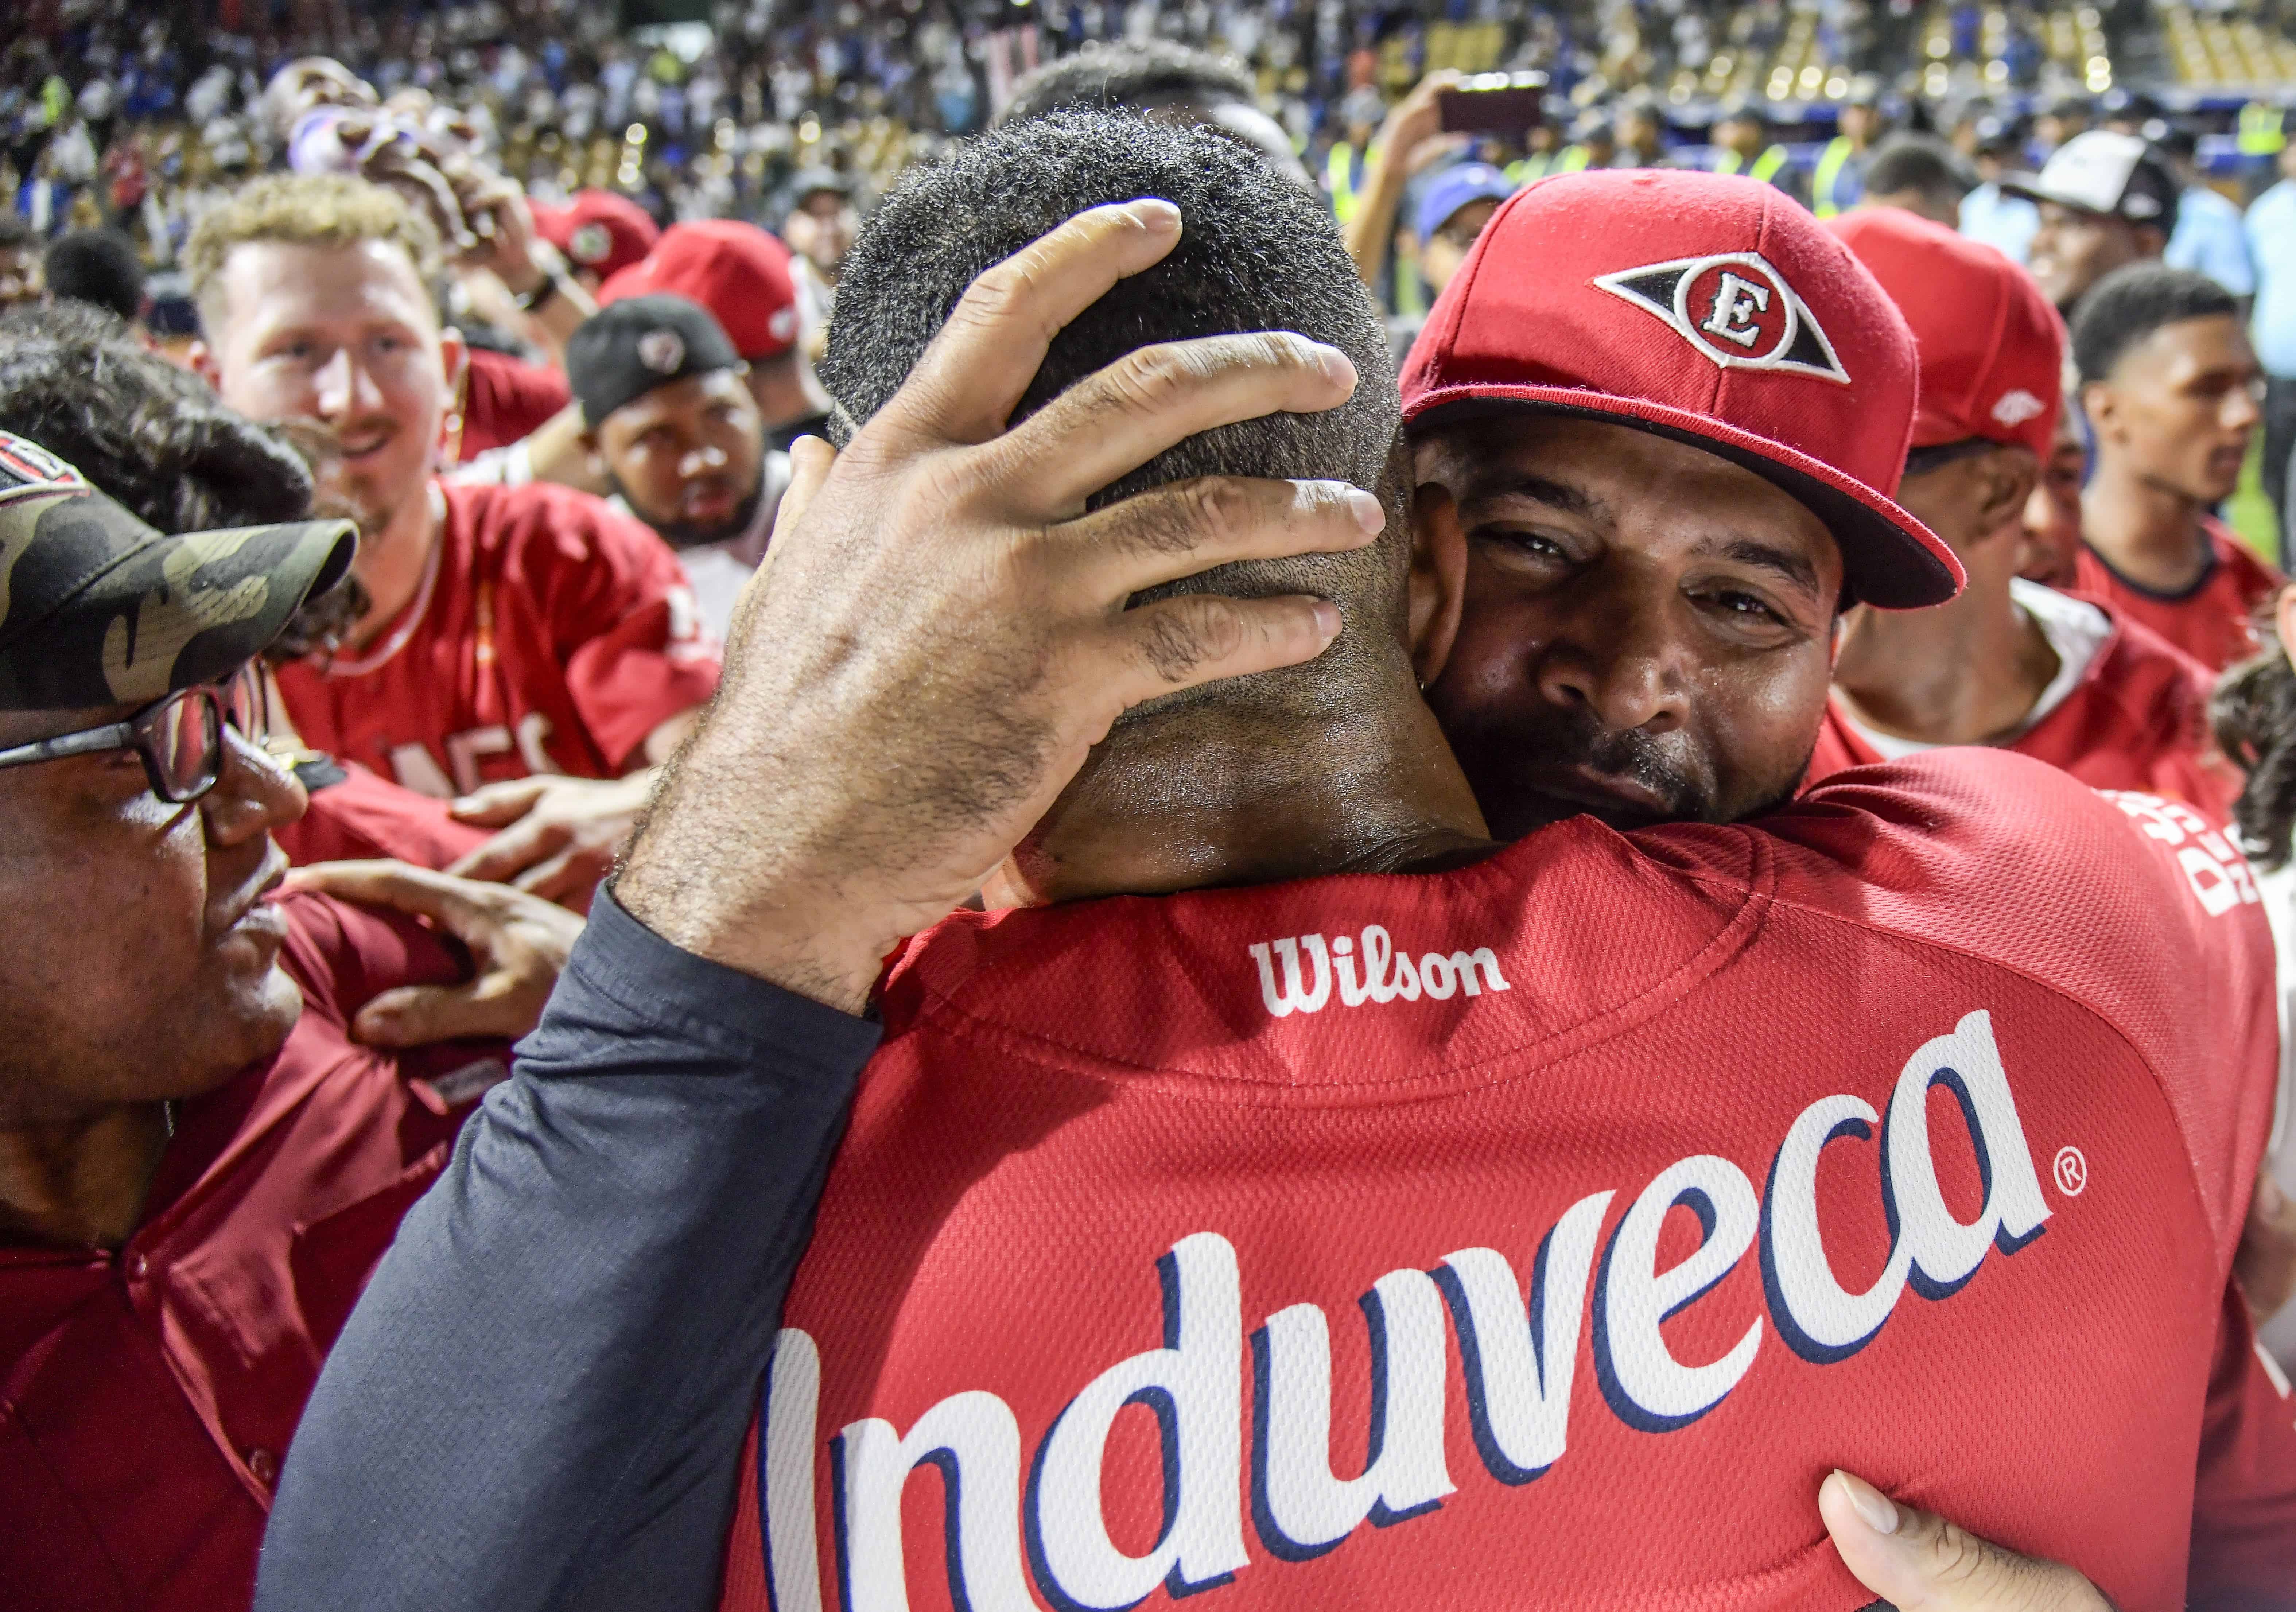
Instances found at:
x=1920 y=1563
x=413 y=1015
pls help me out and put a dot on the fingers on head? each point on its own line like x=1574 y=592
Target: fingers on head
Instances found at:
x=1196 y=637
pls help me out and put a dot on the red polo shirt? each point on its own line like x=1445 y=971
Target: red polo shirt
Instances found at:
x=147 y=1395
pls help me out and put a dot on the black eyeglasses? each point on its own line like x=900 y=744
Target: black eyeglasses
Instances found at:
x=179 y=737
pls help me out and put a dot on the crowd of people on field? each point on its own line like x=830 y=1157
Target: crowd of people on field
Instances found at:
x=1248 y=827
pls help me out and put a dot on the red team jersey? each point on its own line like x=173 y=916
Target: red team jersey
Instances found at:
x=1537 y=1235
x=2209 y=620
x=147 y=1395
x=2137 y=720
x=549 y=635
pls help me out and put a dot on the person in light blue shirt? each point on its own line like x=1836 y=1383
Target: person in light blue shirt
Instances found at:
x=2003 y=221
x=2271 y=228
x=2272 y=327
x=2208 y=238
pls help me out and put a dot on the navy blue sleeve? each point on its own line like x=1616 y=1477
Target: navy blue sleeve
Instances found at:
x=541 y=1398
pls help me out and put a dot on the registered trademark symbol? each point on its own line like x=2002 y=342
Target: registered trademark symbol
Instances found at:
x=2071 y=1171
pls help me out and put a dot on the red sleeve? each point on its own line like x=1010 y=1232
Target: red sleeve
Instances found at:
x=344 y=956
x=2244 y=1499
x=624 y=625
x=505 y=399
x=362 y=815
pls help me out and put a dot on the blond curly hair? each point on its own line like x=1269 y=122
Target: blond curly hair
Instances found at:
x=315 y=209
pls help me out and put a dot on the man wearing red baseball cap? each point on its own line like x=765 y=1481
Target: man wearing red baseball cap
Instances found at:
x=742 y=276
x=1658 y=420
x=598 y=233
x=2009 y=662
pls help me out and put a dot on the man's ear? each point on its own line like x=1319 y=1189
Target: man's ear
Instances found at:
x=1437 y=581
x=201 y=358
x=2152 y=239
x=2098 y=403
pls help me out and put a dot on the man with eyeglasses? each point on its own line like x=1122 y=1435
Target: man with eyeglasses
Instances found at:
x=204 y=1145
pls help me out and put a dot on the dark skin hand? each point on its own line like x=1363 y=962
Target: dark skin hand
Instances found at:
x=1647 y=632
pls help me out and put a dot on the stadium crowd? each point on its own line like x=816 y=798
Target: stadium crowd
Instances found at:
x=740 y=757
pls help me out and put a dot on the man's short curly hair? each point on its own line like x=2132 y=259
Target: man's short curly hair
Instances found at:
x=306 y=209
x=157 y=440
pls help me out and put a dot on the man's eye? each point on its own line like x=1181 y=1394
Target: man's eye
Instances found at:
x=1529 y=546
x=1744 y=605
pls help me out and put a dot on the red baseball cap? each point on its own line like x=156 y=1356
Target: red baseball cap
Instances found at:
x=1992 y=349
x=597 y=231
x=1710 y=310
x=735 y=270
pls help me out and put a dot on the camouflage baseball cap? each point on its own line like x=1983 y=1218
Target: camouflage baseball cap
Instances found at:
x=98 y=609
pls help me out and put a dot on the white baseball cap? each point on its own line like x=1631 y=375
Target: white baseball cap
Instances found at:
x=2104 y=172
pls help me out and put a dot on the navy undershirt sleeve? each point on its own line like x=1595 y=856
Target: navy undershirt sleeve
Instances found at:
x=541 y=1398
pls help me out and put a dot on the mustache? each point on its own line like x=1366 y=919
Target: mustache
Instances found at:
x=1580 y=739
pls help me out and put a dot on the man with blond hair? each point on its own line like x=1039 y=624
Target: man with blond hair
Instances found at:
x=524 y=650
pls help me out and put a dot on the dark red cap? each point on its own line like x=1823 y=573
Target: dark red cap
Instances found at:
x=597 y=231
x=735 y=270
x=1710 y=310
x=1992 y=349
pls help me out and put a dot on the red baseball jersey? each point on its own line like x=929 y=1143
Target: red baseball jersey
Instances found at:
x=2137 y=720
x=549 y=634
x=1537 y=1235
x=2211 y=620
x=147 y=1395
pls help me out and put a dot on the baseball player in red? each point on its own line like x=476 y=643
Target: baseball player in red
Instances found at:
x=2009 y=662
x=1475 y=1228
x=513 y=634
x=2169 y=385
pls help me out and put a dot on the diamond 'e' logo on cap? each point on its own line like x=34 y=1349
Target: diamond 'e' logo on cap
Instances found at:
x=1736 y=309
x=662 y=351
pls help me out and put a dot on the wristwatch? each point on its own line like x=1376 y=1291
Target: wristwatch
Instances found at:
x=553 y=281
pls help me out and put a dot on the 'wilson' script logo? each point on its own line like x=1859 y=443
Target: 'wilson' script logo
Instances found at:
x=1296 y=976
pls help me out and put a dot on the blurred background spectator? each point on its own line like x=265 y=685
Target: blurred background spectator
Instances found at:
x=584 y=130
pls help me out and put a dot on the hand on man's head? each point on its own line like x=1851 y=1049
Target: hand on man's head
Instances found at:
x=943 y=633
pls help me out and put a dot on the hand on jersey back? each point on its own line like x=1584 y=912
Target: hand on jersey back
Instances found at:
x=518 y=943
x=1917 y=1562
x=941 y=633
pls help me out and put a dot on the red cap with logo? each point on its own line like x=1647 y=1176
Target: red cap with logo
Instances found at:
x=735 y=270
x=1710 y=310
x=1992 y=349
x=597 y=231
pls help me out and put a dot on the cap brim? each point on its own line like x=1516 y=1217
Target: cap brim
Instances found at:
x=2030 y=188
x=296 y=560
x=1889 y=558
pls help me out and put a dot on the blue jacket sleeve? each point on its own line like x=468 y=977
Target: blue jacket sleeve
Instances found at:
x=541 y=1398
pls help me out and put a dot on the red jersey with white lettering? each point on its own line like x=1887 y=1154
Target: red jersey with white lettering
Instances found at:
x=2137 y=720
x=2209 y=620
x=1538 y=1234
x=147 y=1395
x=548 y=634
